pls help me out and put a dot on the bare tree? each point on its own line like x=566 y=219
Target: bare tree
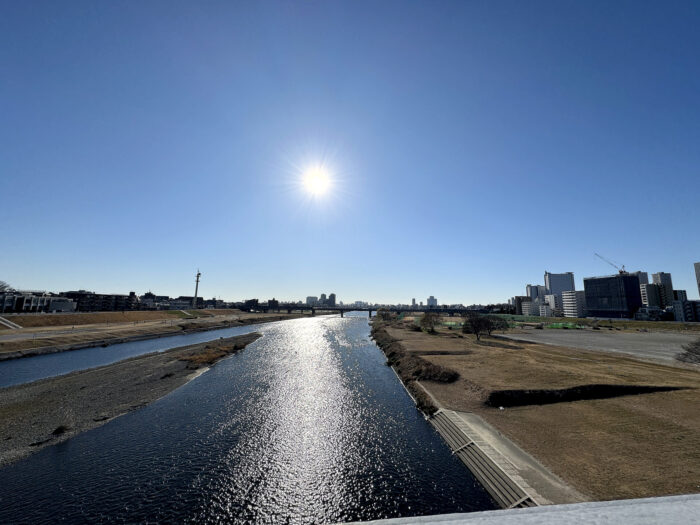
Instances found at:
x=475 y=323
x=691 y=352
x=492 y=323
x=384 y=314
x=429 y=321
x=4 y=287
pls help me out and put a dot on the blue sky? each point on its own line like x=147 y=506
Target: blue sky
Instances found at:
x=472 y=145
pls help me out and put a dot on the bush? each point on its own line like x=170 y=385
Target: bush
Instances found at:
x=429 y=321
x=691 y=353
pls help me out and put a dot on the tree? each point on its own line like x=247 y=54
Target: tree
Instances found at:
x=491 y=323
x=4 y=287
x=475 y=323
x=384 y=314
x=691 y=352
x=429 y=321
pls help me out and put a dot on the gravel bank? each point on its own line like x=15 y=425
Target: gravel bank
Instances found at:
x=46 y=412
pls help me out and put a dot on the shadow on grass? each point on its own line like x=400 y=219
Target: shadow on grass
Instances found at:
x=516 y=398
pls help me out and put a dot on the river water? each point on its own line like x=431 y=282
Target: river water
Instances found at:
x=306 y=425
x=28 y=369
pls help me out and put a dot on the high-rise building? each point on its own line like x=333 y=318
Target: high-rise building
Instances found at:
x=554 y=301
x=331 y=300
x=574 y=303
x=518 y=301
x=432 y=302
x=680 y=295
x=643 y=277
x=413 y=302
x=651 y=294
x=311 y=300
x=697 y=275
x=616 y=296
x=556 y=283
x=536 y=292
x=664 y=279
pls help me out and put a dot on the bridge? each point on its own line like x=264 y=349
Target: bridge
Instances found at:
x=290 y=308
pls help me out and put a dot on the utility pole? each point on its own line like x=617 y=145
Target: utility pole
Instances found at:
x=196 y=289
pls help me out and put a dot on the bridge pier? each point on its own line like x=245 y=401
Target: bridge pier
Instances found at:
x=370 y=313
x=342 y=313
x=313 y=312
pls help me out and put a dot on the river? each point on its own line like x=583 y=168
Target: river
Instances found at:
x=306 y=425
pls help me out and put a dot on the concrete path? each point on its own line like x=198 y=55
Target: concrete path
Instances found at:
x=661 y=346
x=647 y=511
x=515 y=461
x=9 y=324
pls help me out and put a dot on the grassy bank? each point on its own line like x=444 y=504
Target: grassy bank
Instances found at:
x=411 y=368
x=52 y=341
x=611 y=426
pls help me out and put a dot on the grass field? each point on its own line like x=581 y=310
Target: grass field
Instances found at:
x=76 y=319
x=615 y=446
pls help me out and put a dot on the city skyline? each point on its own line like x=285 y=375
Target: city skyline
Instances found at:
x=281 y=154
x=693 y=291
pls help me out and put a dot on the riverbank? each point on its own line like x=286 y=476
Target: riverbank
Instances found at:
x=18 y=343
x=49 y=411
x=610 y=426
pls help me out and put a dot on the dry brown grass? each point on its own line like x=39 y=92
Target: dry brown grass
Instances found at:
x=36 y=320
x=620 y=447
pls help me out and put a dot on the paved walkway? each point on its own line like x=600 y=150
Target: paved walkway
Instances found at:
x=661 y=346
x=647 y=511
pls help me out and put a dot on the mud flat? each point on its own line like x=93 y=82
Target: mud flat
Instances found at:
x=46 y=412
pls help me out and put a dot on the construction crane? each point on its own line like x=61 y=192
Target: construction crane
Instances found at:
x=619 y=269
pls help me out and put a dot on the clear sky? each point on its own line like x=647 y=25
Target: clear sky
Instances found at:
x=471 y=145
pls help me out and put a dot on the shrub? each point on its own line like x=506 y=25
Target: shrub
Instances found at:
x=429 y=321
x=691 y=352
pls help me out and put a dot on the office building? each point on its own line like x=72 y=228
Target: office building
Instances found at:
x=614 y=296
x=536 y=292
x=530 y=308
x=651 y=294
x=680 y=295
x=554 y=301
x=545 y=311
x=311 y=300
x=643 y=277
x=432 y=302
x=697 y=275
x=331 y=300
x=684 y=311
x=556 y=283
x=664 y=279
x=413 y=302
x=518 y=301
x=574 y=303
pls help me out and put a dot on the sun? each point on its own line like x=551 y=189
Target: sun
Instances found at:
x=316 y=181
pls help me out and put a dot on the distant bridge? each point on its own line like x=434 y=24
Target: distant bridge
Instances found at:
x=290 y=308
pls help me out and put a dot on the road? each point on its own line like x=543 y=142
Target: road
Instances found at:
x=645 y=345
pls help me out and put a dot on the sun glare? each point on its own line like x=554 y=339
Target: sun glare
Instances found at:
x=316 y=181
